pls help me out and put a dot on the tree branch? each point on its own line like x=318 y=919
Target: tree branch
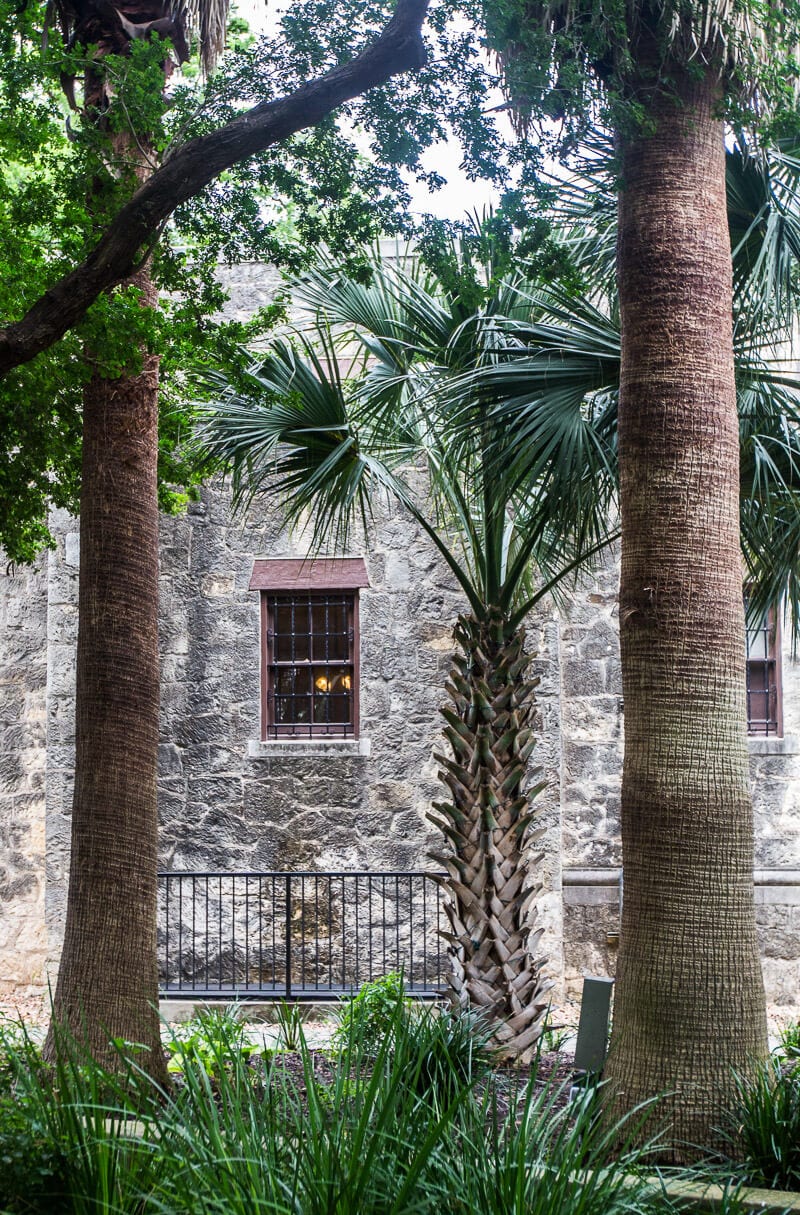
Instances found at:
x=399 y=48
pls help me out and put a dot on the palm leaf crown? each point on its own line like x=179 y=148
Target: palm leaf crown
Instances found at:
x=566 y=59
x=414 y=398
x=507 y=393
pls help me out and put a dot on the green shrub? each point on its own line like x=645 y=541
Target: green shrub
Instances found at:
x=32 y=1166
x=210 y=1040
x=14 y=1041
x=369 y=1015
x=768 y=1126
x=439 y=1051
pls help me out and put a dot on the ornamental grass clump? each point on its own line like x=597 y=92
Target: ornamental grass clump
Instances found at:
x=93 y=1133
x=767 y=1119
x=415 y=1124
x=441 y=1051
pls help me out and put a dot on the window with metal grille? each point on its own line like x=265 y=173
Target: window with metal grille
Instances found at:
x=311 y=669
x=764 y=708
x=309 y=646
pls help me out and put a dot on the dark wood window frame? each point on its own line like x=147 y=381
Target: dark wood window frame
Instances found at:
x=764 y=678
x=310 y=669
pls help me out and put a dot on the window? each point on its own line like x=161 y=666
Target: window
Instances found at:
x=764 y=707
x=309 y=646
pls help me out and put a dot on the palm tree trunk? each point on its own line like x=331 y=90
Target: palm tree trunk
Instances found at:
x=490 y=907
x=689 y=1000
x=108 y=983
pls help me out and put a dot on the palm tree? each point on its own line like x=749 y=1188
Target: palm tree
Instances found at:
x=330 y=444
x=532 y=378
x=580 y=335
x=107 y=986
x=689 y=1003
x=107 y=983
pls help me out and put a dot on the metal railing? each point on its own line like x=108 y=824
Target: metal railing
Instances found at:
x=298 y=936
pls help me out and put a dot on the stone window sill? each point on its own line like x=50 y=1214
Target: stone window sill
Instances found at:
x=302 y=748
x=788 y=745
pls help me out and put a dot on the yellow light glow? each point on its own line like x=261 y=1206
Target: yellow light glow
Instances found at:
x=346 y=682
x=321 y=684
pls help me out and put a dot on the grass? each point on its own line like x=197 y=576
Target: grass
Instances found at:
x=407 y=1116
x=767 y=1126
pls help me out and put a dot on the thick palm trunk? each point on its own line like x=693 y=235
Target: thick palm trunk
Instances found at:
x=689 y=1000
x=108 y=983
x=490 y=731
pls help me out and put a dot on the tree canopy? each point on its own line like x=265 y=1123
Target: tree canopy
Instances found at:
x=268 y=182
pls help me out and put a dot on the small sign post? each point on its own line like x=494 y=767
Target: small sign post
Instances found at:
x=592 y=1041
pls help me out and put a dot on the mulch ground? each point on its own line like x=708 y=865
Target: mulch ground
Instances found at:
x=553 y=1069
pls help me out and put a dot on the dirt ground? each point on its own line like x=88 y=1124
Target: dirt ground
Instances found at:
x=31 y=1007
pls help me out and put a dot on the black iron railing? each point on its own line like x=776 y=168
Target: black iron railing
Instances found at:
x=304 y=936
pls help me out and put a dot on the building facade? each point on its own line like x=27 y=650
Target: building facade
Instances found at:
x=300 y=721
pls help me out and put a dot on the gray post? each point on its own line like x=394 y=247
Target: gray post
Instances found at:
x=592 y=1040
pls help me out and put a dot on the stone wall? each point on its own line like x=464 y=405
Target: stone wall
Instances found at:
x=229 y=801
x=23 y=687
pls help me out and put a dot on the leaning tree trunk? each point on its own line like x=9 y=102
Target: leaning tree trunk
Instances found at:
x=486 y=822
x=689 y=1002
x=107 y=981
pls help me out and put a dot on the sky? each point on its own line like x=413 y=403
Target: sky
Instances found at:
x=458 y=196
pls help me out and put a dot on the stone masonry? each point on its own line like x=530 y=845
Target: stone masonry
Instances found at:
x=23 y=760
x=229 y=801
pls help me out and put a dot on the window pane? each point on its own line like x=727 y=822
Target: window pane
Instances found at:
x=331 y=630
x=757 y=643
x=761 y=698
x=290 y=623
x=282 y=632
x=333 y=695
x=291 y=694
x=310 y=664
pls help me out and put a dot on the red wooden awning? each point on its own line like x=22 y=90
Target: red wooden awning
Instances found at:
x=309 y=574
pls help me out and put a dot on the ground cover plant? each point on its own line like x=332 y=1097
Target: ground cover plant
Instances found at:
x=767 y=1118
x=405 y=1113
x=412 y=1118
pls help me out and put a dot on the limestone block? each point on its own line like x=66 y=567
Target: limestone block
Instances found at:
x=600 y=641
x=172 y=559
x=385 y=796
x=218 y=585
x=214 y=791
x=583 y=678
x=782 y=985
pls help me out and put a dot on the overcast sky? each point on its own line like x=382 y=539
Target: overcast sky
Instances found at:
x=455 y=198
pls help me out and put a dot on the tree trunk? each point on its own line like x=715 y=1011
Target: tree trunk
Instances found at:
x=689 y=1001
x=490 y=731
x=108 y=983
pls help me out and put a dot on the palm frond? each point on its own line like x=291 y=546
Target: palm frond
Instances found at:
x=293 y=428
x=207 y=21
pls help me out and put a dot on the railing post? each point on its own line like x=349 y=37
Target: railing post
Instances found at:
x=288 y=936
x=189 y=950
